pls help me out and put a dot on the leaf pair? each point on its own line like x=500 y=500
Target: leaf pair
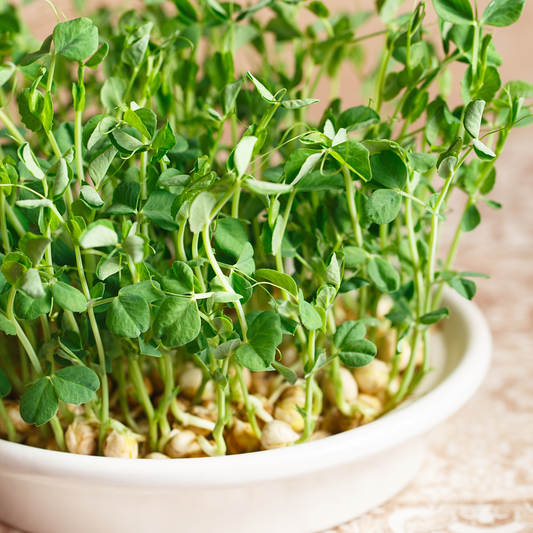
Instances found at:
x=75 y=385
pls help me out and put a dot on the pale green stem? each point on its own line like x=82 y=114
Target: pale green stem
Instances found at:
x=11 y=431
x=309 y=386
x=58 y=433
x=21 y=335
x=250 y=410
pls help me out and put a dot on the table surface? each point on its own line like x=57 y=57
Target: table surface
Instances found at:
x=478 y=475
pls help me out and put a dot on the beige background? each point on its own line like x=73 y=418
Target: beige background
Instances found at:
x=479 y=473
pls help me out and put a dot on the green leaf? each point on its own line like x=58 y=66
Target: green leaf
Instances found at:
x=179 y=279
x=62 y=179
x=473 y=116
x=134 y=54
x=263 y=91
x=158 y=209
x=34 y=246
x=229 y=96
x=298 y=104
x=246 y=263
x=454 y=11
x=125 y=198
x=6 y=71
x=172 y=177
x=128 y=315
x=98 y=234
x=90 y=197
x=75 y=384
x=333 y=271
x=109 y=267
x=201 y=210
x=348 y=333
x=353 y=255
x=31 y=162
x=230 y=236
x=266 y=187
x=434 y=316
x=356 y=156
x=112 y=92
x=421 y=162
x=389 y=169
x=264 y=336
x=447 y=167
x=125 y=143
x=243 y=154
x=383 y=274
x=69 y=297
x=309 y=316
x=39 y=404
x=32 y=122
x=471 y=219
x=502 y=12
x=288 y=373
x=98 y=56
x=5 y=386
x=483 y=152
x=465 y=287
x=148 y=289
x=279 y=279
x=7 y=326
x=186 y=9
x=143 y=120
x=361 y=354
x=383 y=206
x=148 y=348
x=307 y=166
x=30 y=309
x=75 y=39
x=133 y=245
x=357 y=117
x=43 y=51
x=177 y=322
x=31 y=284
x=100 y=164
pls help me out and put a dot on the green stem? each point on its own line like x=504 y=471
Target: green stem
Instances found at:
x=58 y=433
x=250 y=410
x=11 y=128
x=104 y=414
x=3 y=224
x=120 y=375
x=11 y=431
x=138 y=382
x=21 y=335
x=309 y=422
x=223 y=280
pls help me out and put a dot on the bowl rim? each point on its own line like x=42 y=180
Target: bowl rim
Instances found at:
x=359 y=444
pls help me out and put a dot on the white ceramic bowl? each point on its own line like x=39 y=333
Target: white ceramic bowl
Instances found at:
x=300 y=489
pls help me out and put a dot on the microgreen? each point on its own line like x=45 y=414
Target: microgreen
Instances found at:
x=186 y=213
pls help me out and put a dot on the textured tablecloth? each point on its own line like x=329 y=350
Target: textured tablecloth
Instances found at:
x=478 y=475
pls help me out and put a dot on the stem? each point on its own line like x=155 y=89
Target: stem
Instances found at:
x=309 y=386
x=223 y=280
x=78 y=144
x=120 y=375
x=58 y=433
x=180 y=245
x=104 y=415
x=250 y=410
x=138 y=382
x=11 y=128
x=3 y=224
x=21 y=335
x=11 y=431
x=381 y=78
